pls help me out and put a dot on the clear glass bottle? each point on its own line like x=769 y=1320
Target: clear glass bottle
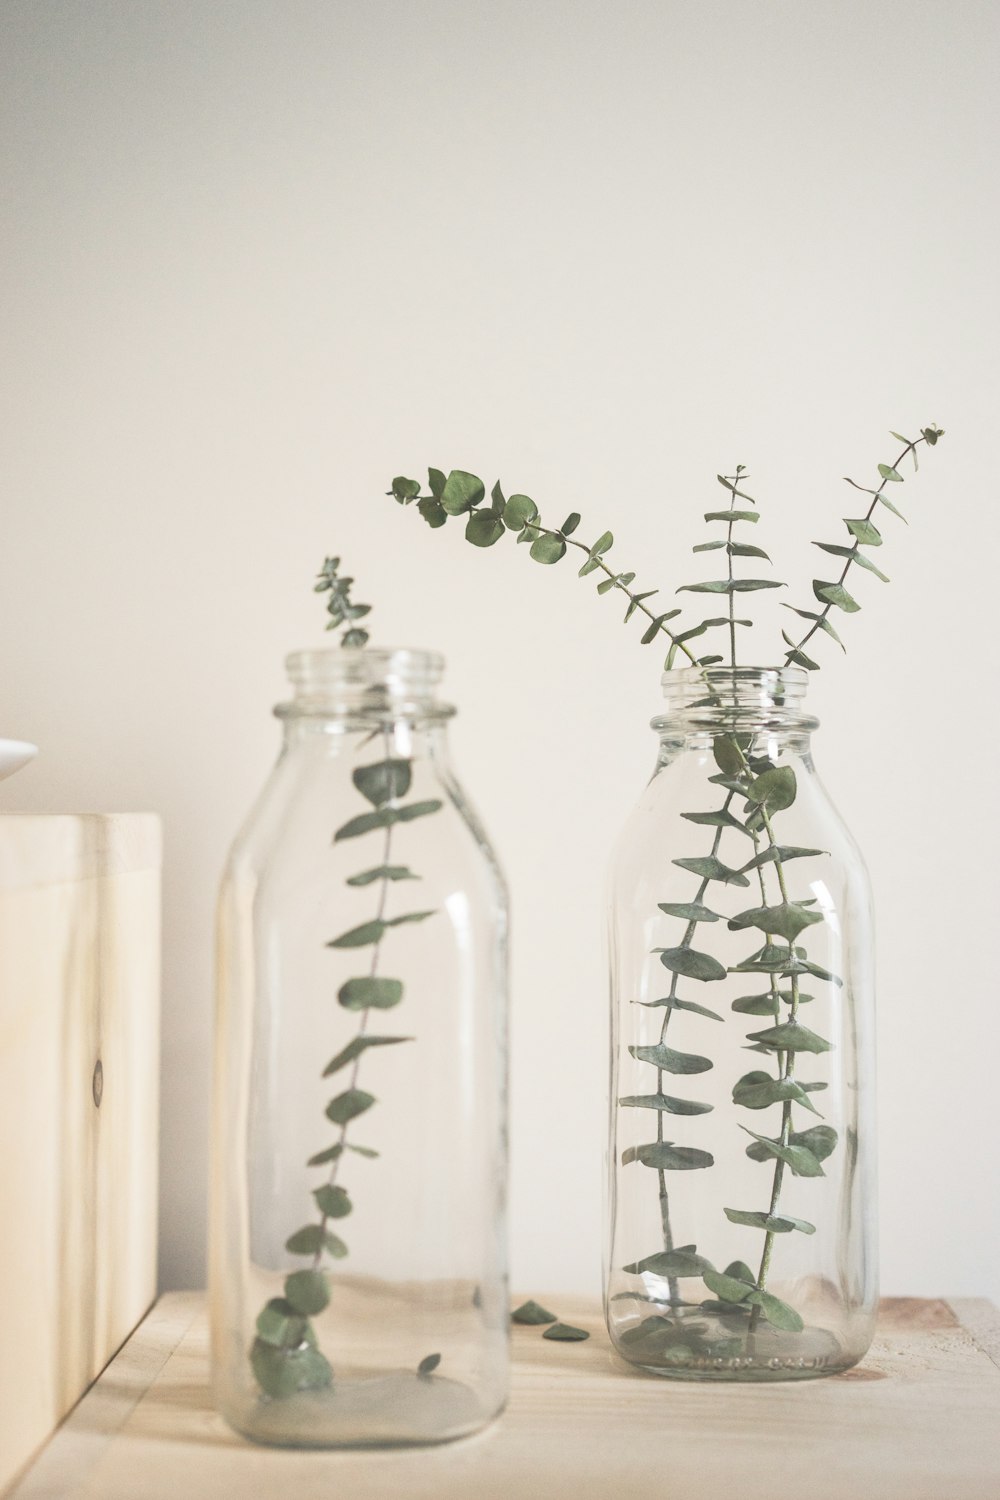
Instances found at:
x=358 y=1253
x=742 y=1163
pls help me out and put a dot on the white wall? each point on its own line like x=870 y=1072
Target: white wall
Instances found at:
x=259 y=257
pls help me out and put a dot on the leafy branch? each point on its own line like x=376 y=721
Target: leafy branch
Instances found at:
x=460 y=493
x=865 y=534
x=285 y=1356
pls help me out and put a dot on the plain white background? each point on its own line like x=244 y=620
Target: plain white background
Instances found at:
x=260 y=257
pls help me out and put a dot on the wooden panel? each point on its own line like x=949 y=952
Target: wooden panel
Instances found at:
x=79 y=986
x=919 y=1420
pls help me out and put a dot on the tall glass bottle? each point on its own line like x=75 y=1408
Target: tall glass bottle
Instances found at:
x=358 y=1258
x=742 y=1227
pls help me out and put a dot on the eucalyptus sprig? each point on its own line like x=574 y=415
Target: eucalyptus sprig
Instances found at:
x=285 y=1356
x=758 y=791
x=463 y=494
x=339 y=606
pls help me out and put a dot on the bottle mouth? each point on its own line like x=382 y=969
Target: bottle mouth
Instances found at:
x=364 y=680
x=720 y=696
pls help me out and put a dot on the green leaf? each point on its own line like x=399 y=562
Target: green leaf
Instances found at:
x=800 y=659
x=709 y=546
x=741 y=1271
x=281 y=1324
x=518 y=511
x=889 y=506
x=665 y=1103
x=728 y=751
x=415 y=810
x=835 y=593
x=565 y=1333
x=385 y=818
x=533 y=1314
x=669 y=1158
x=653 y=629
x=785 y=920
x=774 y=789
x=717 y=818
x=570 y=524
x=373 y=931
x=404 y=489
x=348 y=1105
x=332 y=1201
x=732 y=515
x=710 y=868
x=669 y=1061
x=433 y=512
x=606 y=585
x=772 y=1223
x=436 y=482
x=590 y=566
x=365 y=1151
x=548 y=549
x=757 y=1005
x=461 y=491
x=931 y=434
x=782 y=852
x=790 y=1036
x=689 y=911
x=800 y=1159
x=821 y=1140
x=322 y=1157
x=311 y=1239
x=866 y=563
x=759 y=1090
x=282 y=1372
x=497 y=497
x=822 y=621
x=864 y=532
x=307 y=1291
x=726 y=1288
x=428 y=1365
x=691 y=964
x=670 y=1263
x=366 y=823
x=383 y=781
x=743 y=549
x=888 y=472
x=730 y=586
x=369 y=990
x=777 y=1313
x=360 y=1044
x=484 y=528
x=382 y=872
x=361 y=936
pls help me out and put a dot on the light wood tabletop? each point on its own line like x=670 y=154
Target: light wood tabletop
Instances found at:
x=918 y=1420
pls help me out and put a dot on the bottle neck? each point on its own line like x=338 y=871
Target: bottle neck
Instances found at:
x=764 y=703
x=338 y=691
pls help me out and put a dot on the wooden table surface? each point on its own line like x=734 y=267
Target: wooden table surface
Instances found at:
x=919 y=1420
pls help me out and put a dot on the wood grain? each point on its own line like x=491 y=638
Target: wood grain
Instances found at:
x=79 y=984
x=920 y=1420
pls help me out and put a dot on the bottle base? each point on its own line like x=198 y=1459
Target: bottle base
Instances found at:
x=723 y=1346
x=397 y=1409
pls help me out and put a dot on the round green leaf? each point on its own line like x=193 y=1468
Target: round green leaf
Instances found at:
x=483 y=529
x=548 y=549
x=518 y=510
x=461 y=492
x=307 y=1291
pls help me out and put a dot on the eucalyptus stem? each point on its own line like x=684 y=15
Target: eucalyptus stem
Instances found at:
x=362 y=1031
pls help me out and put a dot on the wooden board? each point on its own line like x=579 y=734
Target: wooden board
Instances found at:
x=79 y=1039
x=919 y=1420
